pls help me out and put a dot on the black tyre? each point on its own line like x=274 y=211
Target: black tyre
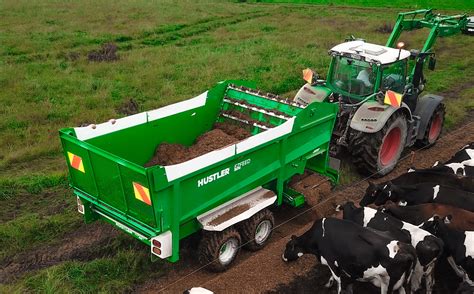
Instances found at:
x=434 y=127
x=378 y=153
x=218 y=250
x=257 y=230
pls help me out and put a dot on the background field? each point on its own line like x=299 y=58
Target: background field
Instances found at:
x=167 y=52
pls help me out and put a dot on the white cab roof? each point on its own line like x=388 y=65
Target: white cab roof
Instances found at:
x=371 y=52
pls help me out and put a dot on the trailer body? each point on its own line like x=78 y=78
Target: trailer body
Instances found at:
x=163 y=204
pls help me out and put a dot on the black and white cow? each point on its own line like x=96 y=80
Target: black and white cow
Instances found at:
x=418 y=194
x=458 y=245
x=355 y=253
x=428 y=247
x=198 y=290
x=417 y=176
x=462 y=168
x=466 y=153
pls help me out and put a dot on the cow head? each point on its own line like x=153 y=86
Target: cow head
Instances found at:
x=433 y=224
x=370 y=194
x=378 y=194
x=293 y=250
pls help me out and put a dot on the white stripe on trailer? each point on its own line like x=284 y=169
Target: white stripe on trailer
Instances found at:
x=89 y=132
x=179 y=170
x=92 y=131
x=178 y=107
x=266 y=136
x=255 y=200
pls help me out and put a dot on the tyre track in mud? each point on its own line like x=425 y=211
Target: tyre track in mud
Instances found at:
x=86 y=243
x=161 y=36
x=264 y=270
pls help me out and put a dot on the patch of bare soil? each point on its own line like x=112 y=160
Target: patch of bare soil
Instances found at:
x=108 y=52
x=263 y=271
x=82 y=244
x=386 y=28
x=128 y=107
x=222 y=135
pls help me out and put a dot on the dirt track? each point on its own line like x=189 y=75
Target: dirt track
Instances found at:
x=265 y=271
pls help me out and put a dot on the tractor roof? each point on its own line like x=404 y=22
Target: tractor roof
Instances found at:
x=369 y=52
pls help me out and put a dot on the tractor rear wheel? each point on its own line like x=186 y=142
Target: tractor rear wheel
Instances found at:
x=434 y=127
x=257 y=230
x=378 y=153
x=218 y=250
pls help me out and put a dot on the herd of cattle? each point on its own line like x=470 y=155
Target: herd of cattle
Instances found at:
x=422 y=216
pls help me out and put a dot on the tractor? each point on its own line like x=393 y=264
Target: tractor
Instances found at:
x=378 y=90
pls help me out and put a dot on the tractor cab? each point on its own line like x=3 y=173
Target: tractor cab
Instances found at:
x=359 y=69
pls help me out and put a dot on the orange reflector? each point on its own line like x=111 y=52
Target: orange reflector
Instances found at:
x=308 y=75
x=157 y=251
x=76 y=162
x=156 y=243
x=393 y=98
x=141 y=193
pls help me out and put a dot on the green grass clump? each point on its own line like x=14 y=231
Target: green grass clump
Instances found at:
x=117 y=274
x=31 y=230
x=34 y=184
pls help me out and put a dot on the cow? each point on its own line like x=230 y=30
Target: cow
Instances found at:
x=416 y=176
x=428 y=247
x=462 y=168
x=417 y=194
x=355 y=253
x=458 y=245
x=466 y=153
x=198 y=290
x=462 y=219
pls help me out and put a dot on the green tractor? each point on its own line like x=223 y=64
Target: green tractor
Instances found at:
x=378 y=89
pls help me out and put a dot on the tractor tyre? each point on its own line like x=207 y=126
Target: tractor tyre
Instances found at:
x=377 y=153
x=218 y=250
x=257 y=230
x=434 y=127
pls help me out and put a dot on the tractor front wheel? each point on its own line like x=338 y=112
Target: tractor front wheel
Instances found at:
x=378 y=153
x=218 y=250
x=434 y=127
x=257 y=230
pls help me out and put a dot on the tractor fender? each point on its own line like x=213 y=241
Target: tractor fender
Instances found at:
x=371 y=116
x=309 y=94
x=424 y=109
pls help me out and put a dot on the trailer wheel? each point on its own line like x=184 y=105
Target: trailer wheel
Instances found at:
x=378 y=153
x=257 y=230
x=217 y=250
x=434 y=127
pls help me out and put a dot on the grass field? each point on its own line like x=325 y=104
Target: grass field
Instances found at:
x=167 y=52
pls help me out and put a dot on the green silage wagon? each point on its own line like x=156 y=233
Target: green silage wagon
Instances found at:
x=225 y=193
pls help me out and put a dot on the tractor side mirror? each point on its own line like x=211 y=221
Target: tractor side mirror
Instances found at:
x=431 y=63
x=310 y=76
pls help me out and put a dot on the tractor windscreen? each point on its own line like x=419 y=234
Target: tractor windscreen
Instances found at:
x=352 y=76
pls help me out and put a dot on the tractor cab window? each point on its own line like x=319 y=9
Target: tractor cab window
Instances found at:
x=393 y=77
x=353 y=76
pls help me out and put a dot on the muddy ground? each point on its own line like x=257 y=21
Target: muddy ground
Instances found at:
x=264 y=271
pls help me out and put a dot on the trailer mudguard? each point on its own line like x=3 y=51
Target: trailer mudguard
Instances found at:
x=372 y=116
x=424 y=109
x=237 y=210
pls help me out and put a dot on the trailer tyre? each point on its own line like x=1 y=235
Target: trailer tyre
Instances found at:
x=218 y=250
x=257 y=230
x=434 y=127
x=378 y=153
